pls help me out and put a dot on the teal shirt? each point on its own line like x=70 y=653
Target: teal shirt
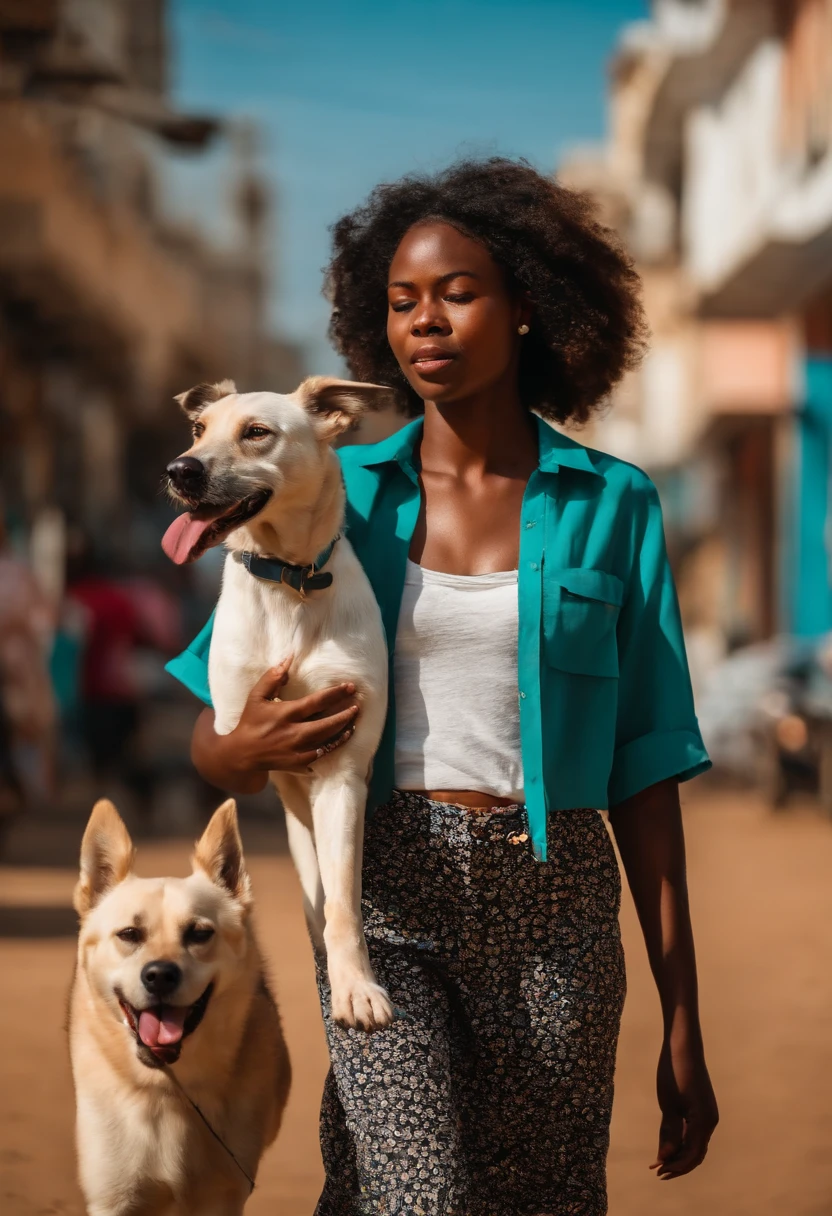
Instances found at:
x=605 y=700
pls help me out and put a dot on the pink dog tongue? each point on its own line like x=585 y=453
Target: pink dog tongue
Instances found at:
x=160 y=1031
x=183 y=536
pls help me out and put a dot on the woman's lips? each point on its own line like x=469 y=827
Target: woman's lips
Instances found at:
x=428 y=366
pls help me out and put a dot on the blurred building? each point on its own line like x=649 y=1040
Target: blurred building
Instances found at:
x=107 y=305
x=718 y=172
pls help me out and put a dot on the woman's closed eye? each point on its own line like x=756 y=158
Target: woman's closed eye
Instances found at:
x=464 y=297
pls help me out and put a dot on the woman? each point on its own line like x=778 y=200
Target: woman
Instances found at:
x=538 y=669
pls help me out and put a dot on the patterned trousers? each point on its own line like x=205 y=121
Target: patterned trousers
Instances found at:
x=491 y=1093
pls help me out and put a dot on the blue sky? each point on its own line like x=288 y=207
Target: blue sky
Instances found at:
x=350 y=93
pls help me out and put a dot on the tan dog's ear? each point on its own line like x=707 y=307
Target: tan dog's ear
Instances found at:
x=337 y=405
x=106 y=856
x=219 y=854
x=194 y=401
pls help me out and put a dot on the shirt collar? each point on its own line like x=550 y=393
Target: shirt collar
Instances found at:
x=556 y=450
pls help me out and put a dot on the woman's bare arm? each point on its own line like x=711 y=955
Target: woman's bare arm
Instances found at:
x=650 y=838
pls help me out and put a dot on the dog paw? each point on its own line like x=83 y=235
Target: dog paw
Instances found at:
x=362 y=1005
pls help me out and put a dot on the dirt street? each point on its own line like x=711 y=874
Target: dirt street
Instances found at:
x=762 y=900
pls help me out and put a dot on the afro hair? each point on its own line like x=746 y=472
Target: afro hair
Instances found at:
x=588 y=325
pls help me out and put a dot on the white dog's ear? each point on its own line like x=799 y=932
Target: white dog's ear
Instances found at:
x=219 y=854
x=337 y=405
x=106 y=856
x=195 y=399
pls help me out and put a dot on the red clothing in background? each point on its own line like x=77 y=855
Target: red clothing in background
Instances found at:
x=113 y=630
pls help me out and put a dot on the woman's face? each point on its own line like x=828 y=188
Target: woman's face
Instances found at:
x=451 y=320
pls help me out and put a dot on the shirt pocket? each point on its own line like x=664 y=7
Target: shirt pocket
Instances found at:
x=580 y=614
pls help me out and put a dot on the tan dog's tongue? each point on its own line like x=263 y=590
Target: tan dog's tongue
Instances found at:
x=183 y=536
x=163 y=1028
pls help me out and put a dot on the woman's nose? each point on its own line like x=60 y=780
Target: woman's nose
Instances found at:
x=429 y=321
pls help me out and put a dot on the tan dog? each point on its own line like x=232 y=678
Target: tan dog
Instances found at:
x=170 y=1011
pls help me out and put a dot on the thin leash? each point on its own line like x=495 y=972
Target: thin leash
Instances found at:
x=218 y=1138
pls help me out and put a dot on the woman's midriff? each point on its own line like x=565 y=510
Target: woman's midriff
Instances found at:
x=474 y=800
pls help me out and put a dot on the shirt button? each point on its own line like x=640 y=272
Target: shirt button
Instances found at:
x=531 y=523
x=522 y=696
x=533 y=565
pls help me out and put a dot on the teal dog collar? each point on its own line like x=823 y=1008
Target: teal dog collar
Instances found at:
x=299 y=578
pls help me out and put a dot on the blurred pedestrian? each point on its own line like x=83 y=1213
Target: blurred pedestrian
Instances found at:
x=111 y=693
x=538 y=669
x=27 y=703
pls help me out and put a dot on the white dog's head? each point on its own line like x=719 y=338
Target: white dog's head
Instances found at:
x=251 y=450
x=156 y=951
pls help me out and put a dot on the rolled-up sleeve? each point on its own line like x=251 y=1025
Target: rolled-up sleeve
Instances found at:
x=657 y=734
x=191 y=666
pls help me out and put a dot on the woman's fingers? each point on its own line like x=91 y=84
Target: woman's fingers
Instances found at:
x=687 y=1160
x=690 y=1153
x=671 y=1134
x=309 y=757
x=322 y=730
x=324 y=701
x=270 y=683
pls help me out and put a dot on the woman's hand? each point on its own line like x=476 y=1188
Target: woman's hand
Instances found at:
x=273 y=735
x=688 y=1106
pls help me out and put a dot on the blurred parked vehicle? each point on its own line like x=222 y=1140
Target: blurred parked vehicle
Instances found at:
x=766 y=716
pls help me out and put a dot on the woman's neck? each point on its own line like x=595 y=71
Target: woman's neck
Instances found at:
x=491 y=432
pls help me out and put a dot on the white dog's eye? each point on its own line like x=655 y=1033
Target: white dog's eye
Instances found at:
x=256 y=432
x=132 y=935
x=198 y=935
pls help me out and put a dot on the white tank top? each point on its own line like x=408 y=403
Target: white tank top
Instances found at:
x=455 y=673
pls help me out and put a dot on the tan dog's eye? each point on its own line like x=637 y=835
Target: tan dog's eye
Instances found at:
x=198 y=935
x=132 y=935
x=256 y=432
x=197 y=430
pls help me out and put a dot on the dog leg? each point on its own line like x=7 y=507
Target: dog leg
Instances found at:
x=305 y=857
x=113 y=1180
x=230 y=683
x=338 y=805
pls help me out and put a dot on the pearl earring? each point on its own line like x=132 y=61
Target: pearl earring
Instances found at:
x=523 y=330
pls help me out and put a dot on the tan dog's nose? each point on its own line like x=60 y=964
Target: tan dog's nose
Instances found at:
x=187 y=475
x=161 y=978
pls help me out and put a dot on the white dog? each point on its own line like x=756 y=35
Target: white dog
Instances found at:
x=261 y=476
x=169 y=973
